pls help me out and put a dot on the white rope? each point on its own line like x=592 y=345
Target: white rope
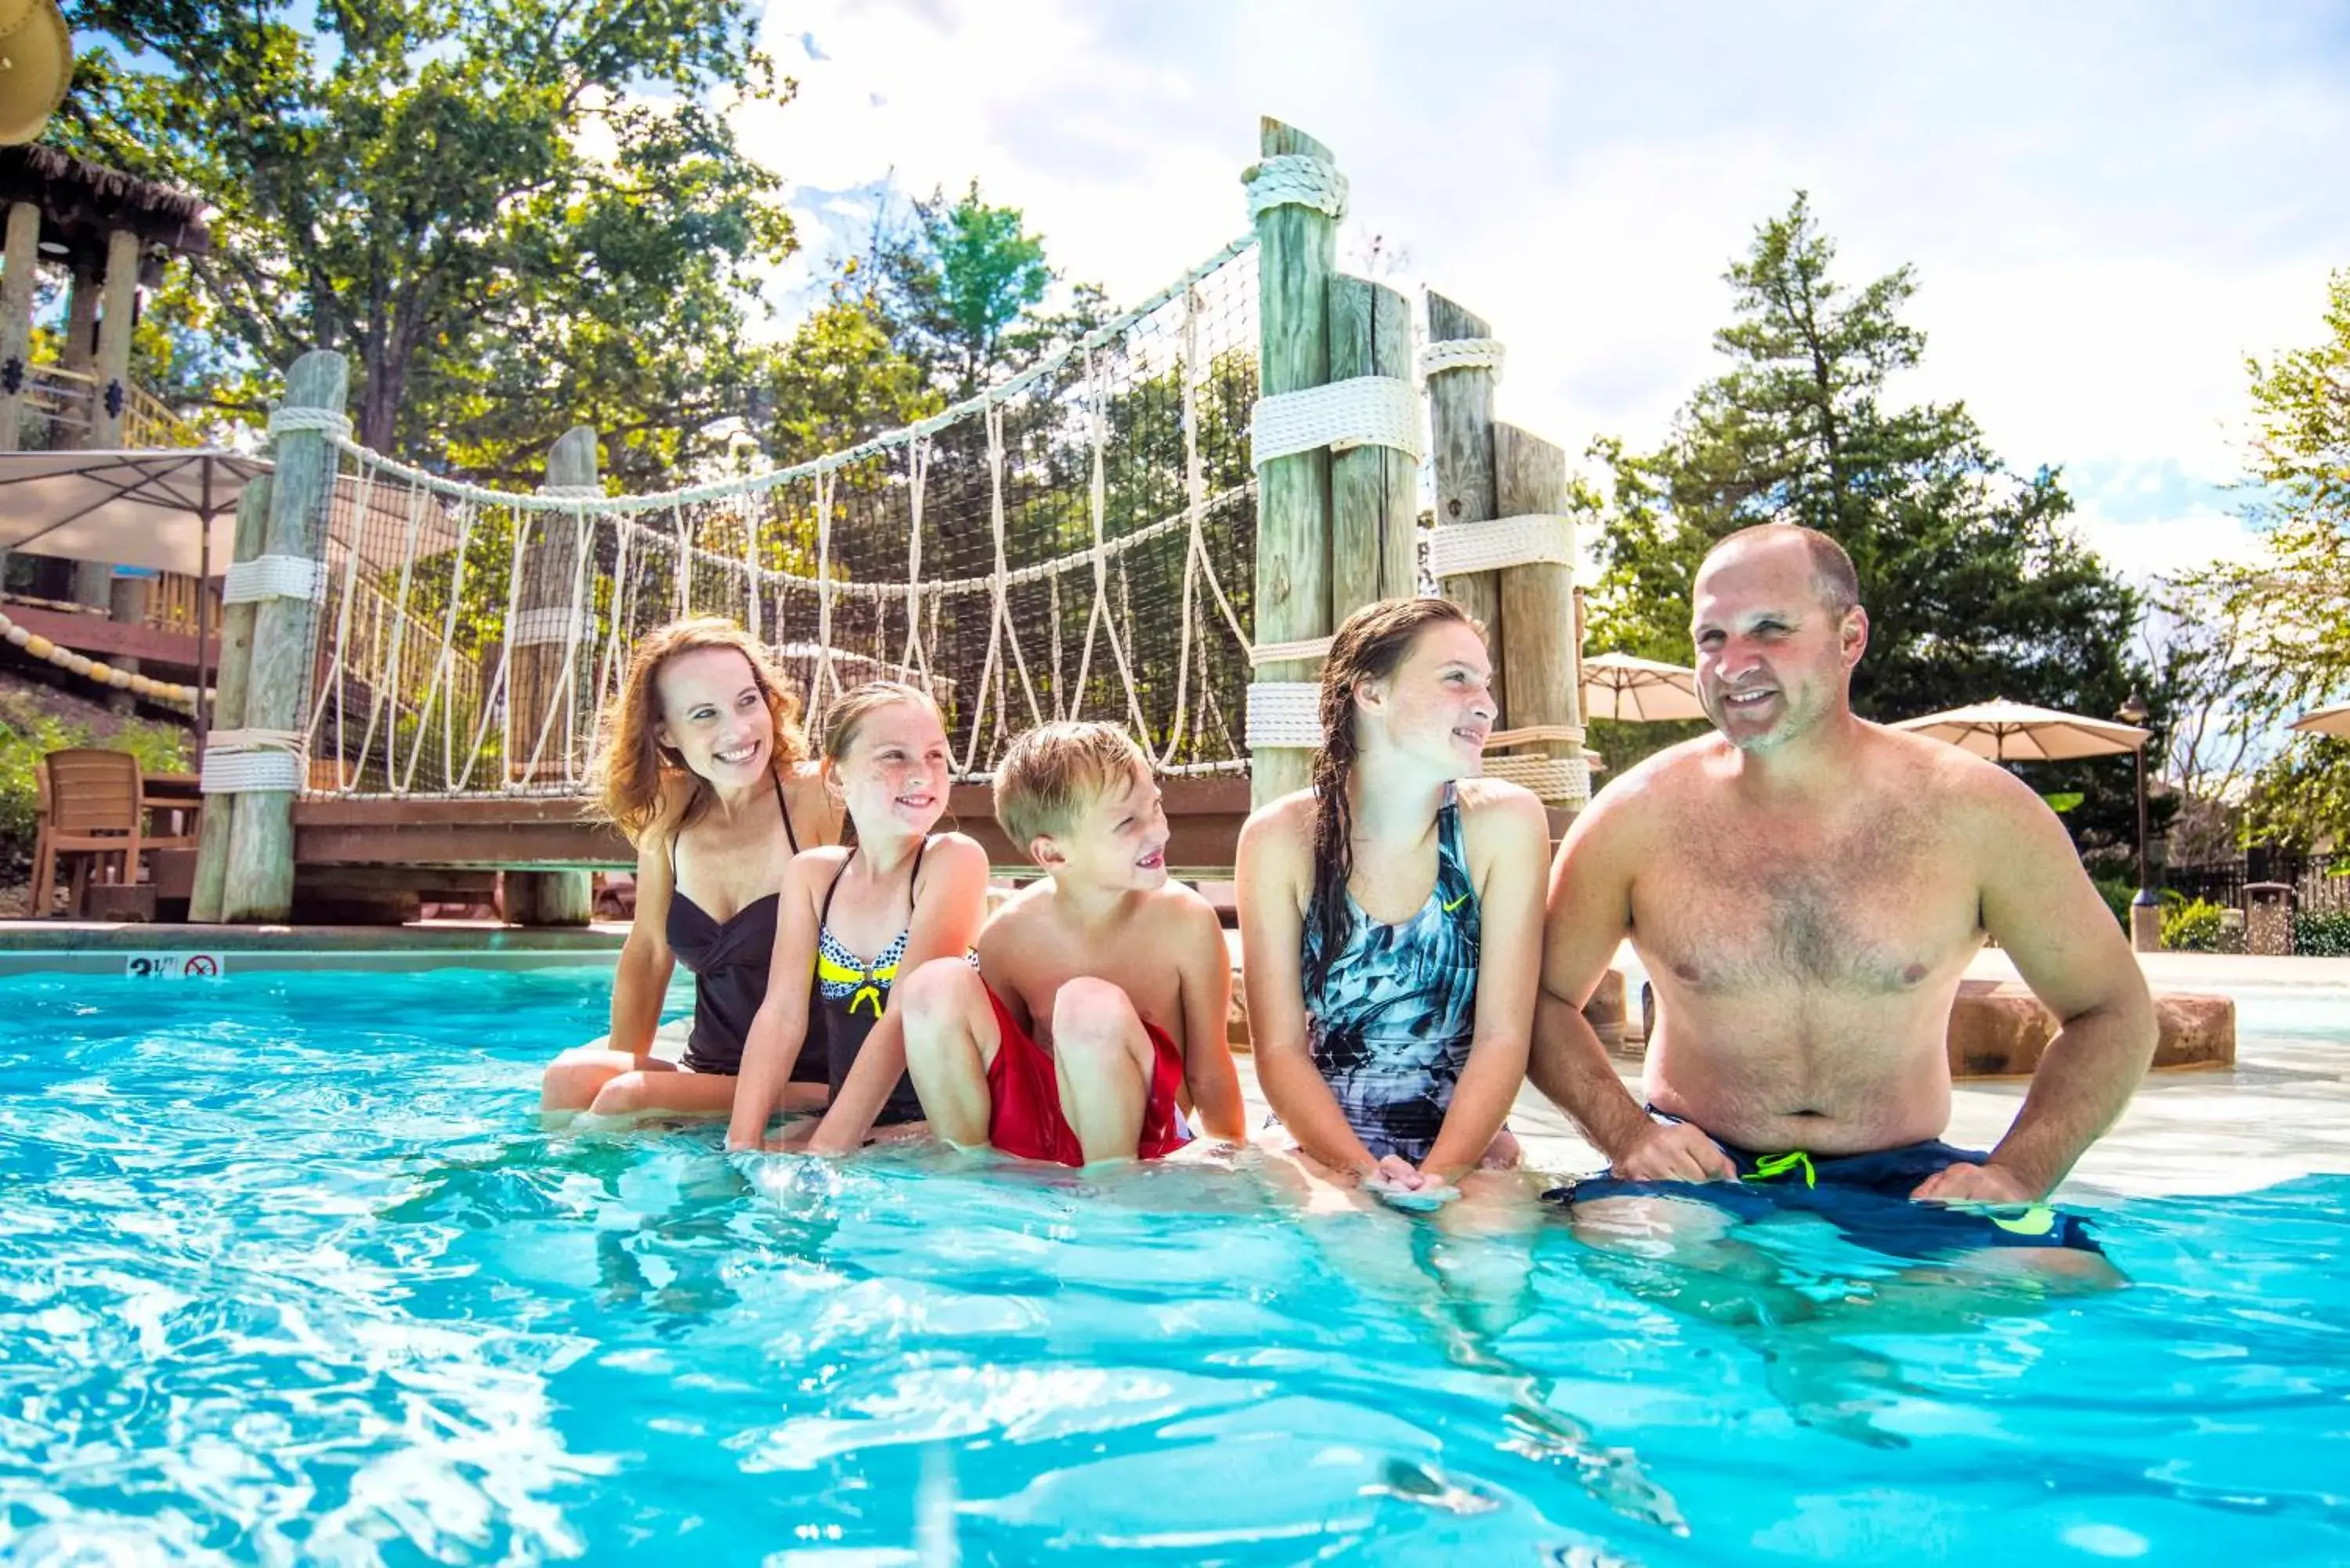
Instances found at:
x=1458 y=549
x=274 y=578
x=1265 y=654
x=1285 y=713
x=1362 y=410
x=1532 y=734
x=238 y=762
x=824 y=594
x=1296 y=179
x=581 y=491
x=1040 y=373
x=1460 y=354
x=288 y=418
x=547 y=624
x=1556 y=781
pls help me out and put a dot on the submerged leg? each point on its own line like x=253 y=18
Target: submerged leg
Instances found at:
x=952 y=1039
x=667 y=1093
x=572 y=1079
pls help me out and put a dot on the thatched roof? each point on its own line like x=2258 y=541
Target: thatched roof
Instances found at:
x=82 y=202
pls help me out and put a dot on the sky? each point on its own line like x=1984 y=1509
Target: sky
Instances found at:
x=2107 y=206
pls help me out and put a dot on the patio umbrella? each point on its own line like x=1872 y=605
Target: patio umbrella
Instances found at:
x=1644 y=690
x=2325 y=722
x=2017 y=732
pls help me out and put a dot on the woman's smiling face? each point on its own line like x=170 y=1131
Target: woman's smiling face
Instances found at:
x=715 y=718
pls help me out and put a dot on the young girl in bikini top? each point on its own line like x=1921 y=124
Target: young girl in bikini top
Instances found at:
x=903 y=895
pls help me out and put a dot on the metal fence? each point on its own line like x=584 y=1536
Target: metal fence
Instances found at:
x=2319 y=882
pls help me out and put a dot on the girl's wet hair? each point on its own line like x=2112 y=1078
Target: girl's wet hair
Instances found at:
x=848 y=714
x=635 y=781
x=1371 y=646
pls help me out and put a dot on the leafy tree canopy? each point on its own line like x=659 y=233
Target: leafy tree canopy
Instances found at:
x=515 y=216
x=1976 y=587
x=2292 y=636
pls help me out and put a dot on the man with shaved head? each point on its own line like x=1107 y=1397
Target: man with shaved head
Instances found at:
x=1806 y=889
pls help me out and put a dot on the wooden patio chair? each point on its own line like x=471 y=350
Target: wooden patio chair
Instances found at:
x=96 y=813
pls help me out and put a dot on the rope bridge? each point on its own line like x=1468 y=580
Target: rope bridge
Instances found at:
x=1077 y=542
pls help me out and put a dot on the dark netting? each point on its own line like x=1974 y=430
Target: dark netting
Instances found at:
x=467 y=642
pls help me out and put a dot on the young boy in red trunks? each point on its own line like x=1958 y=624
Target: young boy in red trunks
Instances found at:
x=1105 y=986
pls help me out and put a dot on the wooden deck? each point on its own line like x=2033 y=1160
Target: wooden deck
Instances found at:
x=553 y=833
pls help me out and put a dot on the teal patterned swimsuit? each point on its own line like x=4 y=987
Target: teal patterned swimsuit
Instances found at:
x=1391 y=1021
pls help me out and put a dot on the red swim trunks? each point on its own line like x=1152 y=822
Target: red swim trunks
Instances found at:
x=1026 y=1118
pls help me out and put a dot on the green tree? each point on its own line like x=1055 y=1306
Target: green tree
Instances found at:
x=963 y=285
x=514 y=214
x=2292 y=651
x=1975 y=585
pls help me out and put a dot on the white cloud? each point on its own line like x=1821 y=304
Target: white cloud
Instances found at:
x=2107 y=205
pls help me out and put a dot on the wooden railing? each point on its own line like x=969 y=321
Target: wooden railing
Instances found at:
x=59 y=408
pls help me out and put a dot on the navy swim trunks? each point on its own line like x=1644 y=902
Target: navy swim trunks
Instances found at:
x=1864 y=1195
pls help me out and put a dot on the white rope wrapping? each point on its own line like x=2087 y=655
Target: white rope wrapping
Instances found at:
x=549 y=624
x=584 y=491
x=1532 y=734
x=1265 y=654
x=1458 y=549
x=1285 y=713
x=1362 y=410
x=238 y=762
x=282 y=420
x=1298 y=180
x=1557 y=781
x=1460 y=354
x=274 y=578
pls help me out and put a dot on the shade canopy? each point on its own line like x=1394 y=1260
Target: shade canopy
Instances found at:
x=1642 y=690
x=151 y=509
x=132 y=508
x=2333 y=721
x=2018 y=733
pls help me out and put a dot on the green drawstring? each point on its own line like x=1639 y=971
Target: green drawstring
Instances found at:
x=1780 y=1164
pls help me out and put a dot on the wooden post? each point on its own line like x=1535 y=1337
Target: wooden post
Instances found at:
x=260 y=882
x=1538 y=610
x=1296 y=255
x=228 y=707
x=542 y=677
x=17 y=270
x=124 y=597
x=1460 y=407
x=1374 y=490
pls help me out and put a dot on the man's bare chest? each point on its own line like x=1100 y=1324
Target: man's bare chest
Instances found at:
x=1740 y=908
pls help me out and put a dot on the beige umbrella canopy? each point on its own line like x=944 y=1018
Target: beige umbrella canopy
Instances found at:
x=1643 y=691
x=2325 y=722
x=2018 y=733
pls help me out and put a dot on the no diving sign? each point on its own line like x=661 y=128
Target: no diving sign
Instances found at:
x=174 y=966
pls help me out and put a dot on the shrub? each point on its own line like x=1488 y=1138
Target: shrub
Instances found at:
x=2324 y=934
x=2117 y=892
x=2197 y=926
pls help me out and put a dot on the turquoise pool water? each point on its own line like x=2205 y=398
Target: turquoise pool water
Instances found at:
x=288 y=1274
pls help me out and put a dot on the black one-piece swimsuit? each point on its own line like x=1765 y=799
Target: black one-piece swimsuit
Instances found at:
x=729 y=959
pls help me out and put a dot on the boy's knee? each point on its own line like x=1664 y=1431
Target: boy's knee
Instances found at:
x=942 y=988
x=1092 y=1017
x=623 y=1096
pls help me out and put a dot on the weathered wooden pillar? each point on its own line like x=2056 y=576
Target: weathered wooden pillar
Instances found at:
x=1460 y=410
x=17 y=269
x=1296 y=256
x=541 y=680
x=1540 y=667
x=234 y=681
x=124 y=597
x=260 y=881
x=1374 y=489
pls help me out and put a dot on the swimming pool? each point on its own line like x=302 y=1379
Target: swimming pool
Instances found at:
x=287 y=1274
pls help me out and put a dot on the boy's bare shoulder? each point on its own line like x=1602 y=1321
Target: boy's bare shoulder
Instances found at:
x=1180 y=909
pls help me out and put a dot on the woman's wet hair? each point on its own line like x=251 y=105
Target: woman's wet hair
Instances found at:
x=1371 y=646
x=635 y=782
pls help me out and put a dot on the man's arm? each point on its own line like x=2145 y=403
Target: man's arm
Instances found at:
x=1205 y=979
x=2039 y=905
x=1589 y=914
x=1506 y=830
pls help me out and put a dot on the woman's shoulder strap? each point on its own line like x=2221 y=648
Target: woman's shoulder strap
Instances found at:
x=784 y=804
